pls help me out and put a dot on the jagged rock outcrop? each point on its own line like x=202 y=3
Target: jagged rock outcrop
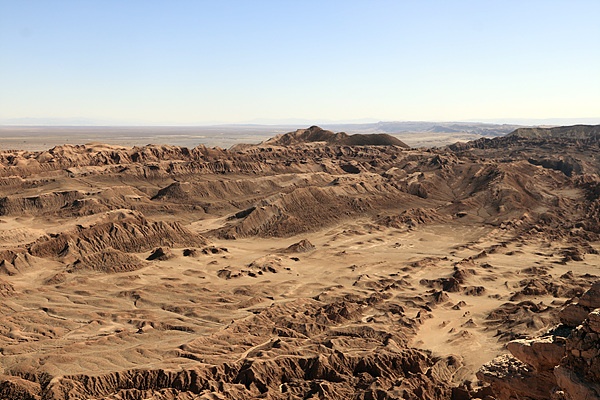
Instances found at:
x=131 y=234
x=297 y=349
x=109 y=260
x=553 y=366
x=575 y=312
x=15 y=388
x=160 y=254
x=14 y=261
x=44 y=203
x=208 y=250
x=578 y=374
x=511 y=378
x=413 y=217
x=538 y=146
x=302 y=246
x=543 y=354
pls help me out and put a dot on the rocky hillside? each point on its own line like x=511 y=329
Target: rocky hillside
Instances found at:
x=562 y=364
x=313 y=265
x=316 y=134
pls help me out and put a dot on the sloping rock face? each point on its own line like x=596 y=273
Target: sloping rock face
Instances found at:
x=578 y=374
x=109 y=260
x=302 y=246
x=511 y=378
x=130 y=234
x=553 y=366
x=538 y=146
x=160 y=254
x=543 y=354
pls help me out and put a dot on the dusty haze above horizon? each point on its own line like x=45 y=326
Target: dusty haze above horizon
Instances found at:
x=414 y=133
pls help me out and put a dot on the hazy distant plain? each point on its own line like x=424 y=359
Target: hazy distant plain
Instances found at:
x=415 y=134
x=44 y=137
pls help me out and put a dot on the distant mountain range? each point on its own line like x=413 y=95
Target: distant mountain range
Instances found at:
x=39 y=135
x=402 y=127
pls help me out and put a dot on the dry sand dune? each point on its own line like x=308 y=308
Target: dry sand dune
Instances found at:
x=308 y=266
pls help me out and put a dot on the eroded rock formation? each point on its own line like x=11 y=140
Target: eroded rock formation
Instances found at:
x=563 y=364
x=409 y=269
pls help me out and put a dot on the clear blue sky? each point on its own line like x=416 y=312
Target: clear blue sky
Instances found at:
x=194 y=62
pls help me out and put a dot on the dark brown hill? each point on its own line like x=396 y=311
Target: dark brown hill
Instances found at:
x=316 y=134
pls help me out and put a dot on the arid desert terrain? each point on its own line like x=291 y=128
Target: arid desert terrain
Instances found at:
x=314 y=265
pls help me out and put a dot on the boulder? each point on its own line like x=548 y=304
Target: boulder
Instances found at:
x=573 y=315
x=543 y=354
x=510 y=378
x=160 y=254
x=591 y=298
x=553 y=367
x=573 y=387
x=594 y=320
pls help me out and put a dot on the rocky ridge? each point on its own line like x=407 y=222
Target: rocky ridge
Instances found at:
x=316 y=134
x=562 y=364
x=117 y=253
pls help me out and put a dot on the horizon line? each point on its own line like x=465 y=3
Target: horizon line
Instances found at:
x=14 y=122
